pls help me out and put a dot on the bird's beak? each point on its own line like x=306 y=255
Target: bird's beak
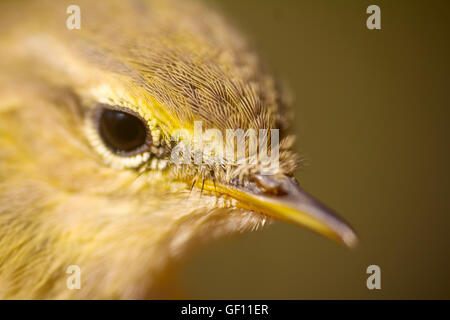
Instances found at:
x=282 y=198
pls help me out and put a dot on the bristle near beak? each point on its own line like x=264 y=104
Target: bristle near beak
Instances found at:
x=282 y=198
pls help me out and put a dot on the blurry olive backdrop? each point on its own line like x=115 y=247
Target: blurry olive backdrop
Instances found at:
x=371 y=113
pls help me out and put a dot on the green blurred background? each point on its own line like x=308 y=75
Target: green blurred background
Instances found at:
x=371 y=113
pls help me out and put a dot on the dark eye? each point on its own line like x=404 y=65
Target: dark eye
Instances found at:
x=123 y=131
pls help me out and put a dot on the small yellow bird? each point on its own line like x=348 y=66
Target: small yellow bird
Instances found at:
x=88 y=118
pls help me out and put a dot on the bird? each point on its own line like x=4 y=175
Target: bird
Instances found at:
x=88 y=118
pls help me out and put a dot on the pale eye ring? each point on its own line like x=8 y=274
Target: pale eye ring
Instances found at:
x=124 y=132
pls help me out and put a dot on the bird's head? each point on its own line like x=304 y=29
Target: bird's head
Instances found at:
x=120 y=145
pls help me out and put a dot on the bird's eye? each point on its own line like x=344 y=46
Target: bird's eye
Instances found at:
x=123 y=131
